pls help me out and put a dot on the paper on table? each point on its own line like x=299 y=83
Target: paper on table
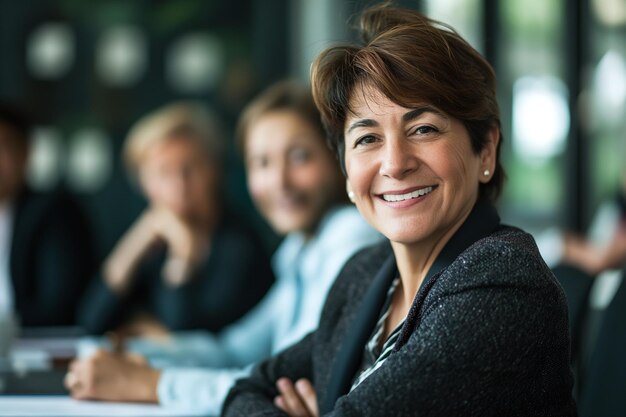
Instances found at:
x=57 y=406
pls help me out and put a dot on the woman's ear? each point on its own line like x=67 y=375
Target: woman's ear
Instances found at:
x=488 y=155
x=350 y=192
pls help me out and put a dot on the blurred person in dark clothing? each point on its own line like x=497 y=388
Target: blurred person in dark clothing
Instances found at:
x=593 y=257
x=187 y=262
x=591 y=271
x=46 y=252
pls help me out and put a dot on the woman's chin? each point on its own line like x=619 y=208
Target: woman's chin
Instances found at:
x=405 y=233
x=286 y=225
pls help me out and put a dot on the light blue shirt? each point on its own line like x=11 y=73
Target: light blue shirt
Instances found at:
x=305 y=270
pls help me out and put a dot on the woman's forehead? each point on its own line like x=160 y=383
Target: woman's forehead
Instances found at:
x=372 y=104
x=365 y=98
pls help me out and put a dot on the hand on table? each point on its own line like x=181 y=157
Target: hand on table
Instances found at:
x=112 y=377
x=297 y=400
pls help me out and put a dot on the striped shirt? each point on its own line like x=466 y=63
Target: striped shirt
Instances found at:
x=374 y=356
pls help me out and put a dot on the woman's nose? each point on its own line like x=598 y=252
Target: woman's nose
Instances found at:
x=397 y=159
x=280 y=176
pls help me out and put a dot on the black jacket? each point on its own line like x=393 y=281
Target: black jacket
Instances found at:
x=51 y=258
x=487 y=335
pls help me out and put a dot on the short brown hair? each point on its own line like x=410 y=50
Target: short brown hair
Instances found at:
x=285 y=95
x=410 y=59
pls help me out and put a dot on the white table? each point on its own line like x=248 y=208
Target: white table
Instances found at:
x=64 y=406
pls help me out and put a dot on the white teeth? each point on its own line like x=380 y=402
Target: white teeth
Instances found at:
x=402 y=197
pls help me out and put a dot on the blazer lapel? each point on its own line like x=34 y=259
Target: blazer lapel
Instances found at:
x=481 y=222
x=349 y=358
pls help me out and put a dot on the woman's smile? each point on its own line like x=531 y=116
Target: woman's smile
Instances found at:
x=406 y=198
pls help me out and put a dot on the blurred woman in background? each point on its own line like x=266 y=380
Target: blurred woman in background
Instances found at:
x=186 y=263
x=296 y=184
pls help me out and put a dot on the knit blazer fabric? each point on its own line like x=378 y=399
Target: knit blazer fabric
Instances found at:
x=489 y=338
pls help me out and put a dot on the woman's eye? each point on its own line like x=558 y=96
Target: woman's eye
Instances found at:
x=365 y=140
x=424 y=130
x=299 y=155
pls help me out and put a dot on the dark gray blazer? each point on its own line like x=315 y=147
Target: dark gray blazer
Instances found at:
x=487 y=335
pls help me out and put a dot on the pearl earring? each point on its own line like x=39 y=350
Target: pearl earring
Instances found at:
x=351 y=195
x=486 y=173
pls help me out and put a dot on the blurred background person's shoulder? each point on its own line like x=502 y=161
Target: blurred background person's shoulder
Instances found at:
x=46 y=251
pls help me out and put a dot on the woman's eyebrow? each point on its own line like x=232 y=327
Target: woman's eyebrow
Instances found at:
x=362 y=123
x=415 y=113
x=407 y=117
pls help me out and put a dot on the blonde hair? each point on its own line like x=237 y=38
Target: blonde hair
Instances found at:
x=189 y=119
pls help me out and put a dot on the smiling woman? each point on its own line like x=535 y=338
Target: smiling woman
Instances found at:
x=457 y=314
x=289 y=189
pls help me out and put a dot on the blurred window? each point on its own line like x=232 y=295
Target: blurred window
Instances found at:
x=535 y=113
x=605 y=99
x=50 y=50
x=195 y=63
x=46 y=158
x=90 y=160
x=464 y=16
x=121 y=56
x=541 y=118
